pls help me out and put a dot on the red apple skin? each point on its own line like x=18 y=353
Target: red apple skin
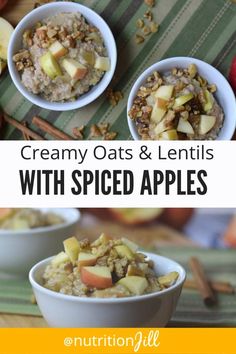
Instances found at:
x=80 y=74
x=86 y=262
x=3 y=3
x=95 y=281
x=177 y=217
x=230 y=233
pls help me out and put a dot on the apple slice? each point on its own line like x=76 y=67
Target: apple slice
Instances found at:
x=168 y=279
x=89 y=57
x=209 y=101
x=58 y=50
x=86 y=259
x=72 y=248
x=184 y=126
x=102 y=63
x=124 y=251
x=157 y=114
x=50 y=66
x=97 y=277
x=161 y=103
x=161 y=127
x=169 y=135
x=6 y=31
x=60 y=258
x=206 y=124
x=134 y=284
x=5 y=213
x=76 y=70
x=181 y=100
x=165 y=92
x=130 y=244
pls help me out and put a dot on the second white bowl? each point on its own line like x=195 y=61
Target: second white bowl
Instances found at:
x=224 y=94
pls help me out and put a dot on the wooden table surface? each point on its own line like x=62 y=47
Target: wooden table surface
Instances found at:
x=152 y=236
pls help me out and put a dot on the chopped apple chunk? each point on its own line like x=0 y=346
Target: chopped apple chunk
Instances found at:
x=72 y=248
x=169 y=135
x=60 y=258
x=130 y=244
x=102 y=63
x=89 y=57
x=58 y=50
x=76 y=70
x=6 y=31
x=184 y=126
x=98 y=277
x=209 y=101
x=157 y=114
x=181 y=100
x=86 y=259
x=206 y=123
x=161 y=127
x=50 y=66
x=165 y=92
x=161 y=103
x=168 y=279
x=135 y=284
x=124 y=251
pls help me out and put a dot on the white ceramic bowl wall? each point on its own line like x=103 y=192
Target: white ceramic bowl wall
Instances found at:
x=20 y=250
x=155 y=309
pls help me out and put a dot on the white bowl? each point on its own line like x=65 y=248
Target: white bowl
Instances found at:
x=46 y=11
x=224 y=94
x=20 y=250
x=152 y=310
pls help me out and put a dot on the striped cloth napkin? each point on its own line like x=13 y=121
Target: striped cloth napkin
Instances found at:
x=220 y=265
x=200 y=28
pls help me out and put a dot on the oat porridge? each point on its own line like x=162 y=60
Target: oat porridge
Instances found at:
x=62 y=57
x=23 y=219
x=104 y=268
x=178 y=105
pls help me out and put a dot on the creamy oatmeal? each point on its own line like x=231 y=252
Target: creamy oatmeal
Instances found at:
x=22 y=219
x=104 y=268
x=62 y=57
x=177 y=105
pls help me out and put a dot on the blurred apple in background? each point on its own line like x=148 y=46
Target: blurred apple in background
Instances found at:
x=3 y=3
x=230 y=233
x=174 y=217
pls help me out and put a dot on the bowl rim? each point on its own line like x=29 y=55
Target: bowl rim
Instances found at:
x=90 y=300
x=141 y=78
x=45 y=229
x=99 y=88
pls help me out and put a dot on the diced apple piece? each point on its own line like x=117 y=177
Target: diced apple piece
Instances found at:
x=124 y=251
x=60 y=258
x=3 y=65
x=165 y=92
x=161 y=103
x=102 y=63
x=93 y=36
x=209 y=101
x=89 y=57
x=206 y=124
x=184 y=126
x=6 y=31
x=76 y=70
x=50 y=66
x=86 y=259
x=169 y=135
x=135 y=284
x=58 y=50
x=157 y=114
x=161 y=127
x=181 y=100
x=168 y=279
x=130 y=244
x=72 y=248
x=5 y=213
x=97 y=277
